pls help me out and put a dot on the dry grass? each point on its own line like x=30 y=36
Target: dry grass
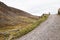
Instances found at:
x=23 y=28
x=30 y=27
x=1 y=37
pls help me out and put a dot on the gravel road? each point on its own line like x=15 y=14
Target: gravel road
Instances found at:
x=48 y=30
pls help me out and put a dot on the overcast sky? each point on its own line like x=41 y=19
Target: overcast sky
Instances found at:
x=35 y=7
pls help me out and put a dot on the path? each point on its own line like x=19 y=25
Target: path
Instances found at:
x=48 y=30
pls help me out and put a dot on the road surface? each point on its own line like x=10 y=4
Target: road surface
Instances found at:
x=48 y=30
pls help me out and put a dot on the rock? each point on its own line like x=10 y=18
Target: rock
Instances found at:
x=59 y=11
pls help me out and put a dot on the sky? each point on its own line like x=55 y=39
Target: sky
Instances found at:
x=35 y=7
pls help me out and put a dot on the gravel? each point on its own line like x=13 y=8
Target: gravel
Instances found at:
x=48 y=30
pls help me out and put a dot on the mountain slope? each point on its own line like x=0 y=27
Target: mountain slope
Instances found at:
x=12 y=16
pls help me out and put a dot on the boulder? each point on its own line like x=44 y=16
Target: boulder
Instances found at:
x=59 y=11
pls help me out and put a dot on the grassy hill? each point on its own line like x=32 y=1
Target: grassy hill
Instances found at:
x=15 y=23
x=12 y=16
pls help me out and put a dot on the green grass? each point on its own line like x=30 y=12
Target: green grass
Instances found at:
x=18 y=32
x=29 y=28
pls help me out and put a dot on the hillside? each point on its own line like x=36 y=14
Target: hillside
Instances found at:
x=12 y=16
x=15 y=23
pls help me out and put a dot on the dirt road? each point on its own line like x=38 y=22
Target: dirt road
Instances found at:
x=48 y=30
